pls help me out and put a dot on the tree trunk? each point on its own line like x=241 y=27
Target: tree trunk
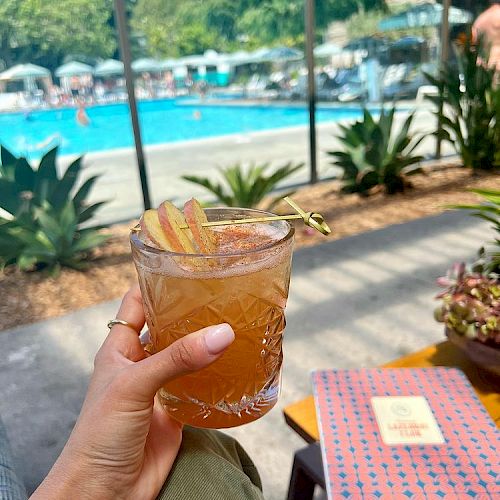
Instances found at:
x=5 y=51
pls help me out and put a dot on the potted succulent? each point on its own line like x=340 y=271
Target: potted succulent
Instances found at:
x=470 y=302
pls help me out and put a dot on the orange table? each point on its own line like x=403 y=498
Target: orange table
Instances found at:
x=301 y=416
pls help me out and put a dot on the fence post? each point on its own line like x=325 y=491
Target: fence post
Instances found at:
x=121 y=22
x=311 y=87
x=445 y=35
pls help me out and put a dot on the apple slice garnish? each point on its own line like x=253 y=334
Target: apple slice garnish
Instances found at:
x=171 y=220
x=150 y=225
x=203 y=237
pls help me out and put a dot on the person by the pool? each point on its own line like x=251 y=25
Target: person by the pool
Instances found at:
x=488 y=25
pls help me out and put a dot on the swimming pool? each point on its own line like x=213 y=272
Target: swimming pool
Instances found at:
x=162 y=121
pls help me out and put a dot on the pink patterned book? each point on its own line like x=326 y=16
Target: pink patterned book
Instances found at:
x=405 y=433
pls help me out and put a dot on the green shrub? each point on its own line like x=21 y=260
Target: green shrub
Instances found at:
x=470 y=117
x=471 y=300
x=41 y=214
x=374 y=154
x=245 y=187
x=470 y=304
x=489 y=261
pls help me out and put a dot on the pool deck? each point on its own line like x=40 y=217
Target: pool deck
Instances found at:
x=120 y=184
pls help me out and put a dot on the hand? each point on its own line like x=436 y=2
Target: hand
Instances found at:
x=124 y=444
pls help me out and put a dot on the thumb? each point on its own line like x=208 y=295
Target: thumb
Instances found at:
x=186 y=355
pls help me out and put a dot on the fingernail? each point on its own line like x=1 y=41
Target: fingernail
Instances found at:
x=218 y=337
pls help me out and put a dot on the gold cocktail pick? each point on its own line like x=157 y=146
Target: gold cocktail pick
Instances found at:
x=311 y=219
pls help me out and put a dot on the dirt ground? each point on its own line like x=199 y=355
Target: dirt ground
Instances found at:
x=29 y=297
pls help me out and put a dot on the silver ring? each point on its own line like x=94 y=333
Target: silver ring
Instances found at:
x=113 y=322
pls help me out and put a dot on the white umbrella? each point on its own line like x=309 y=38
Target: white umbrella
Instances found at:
x=258 y=55
x=193 y=60
x=423 y=15
x=24 y=71
x=146 y=65
x=277 y=54
x=73 y=68
x=237 y=58
x=327 y=49
x=109 y=67
x=170 y=64
x=208 y=59
x=211 y=54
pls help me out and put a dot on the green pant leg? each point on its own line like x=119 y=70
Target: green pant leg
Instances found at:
x=211 y=466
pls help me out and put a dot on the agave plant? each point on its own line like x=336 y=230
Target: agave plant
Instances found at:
x=43 y=213
x=470 y=305
x=489 y=261
x=470 y=118
x=374 y=154
x=246 y=187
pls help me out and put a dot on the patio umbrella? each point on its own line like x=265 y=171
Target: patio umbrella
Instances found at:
x=146 y=65
x=425 y=15
x=209 y=58
x=24 y=72
x=237 y=58
x=193 y=60
x=258 y=55
x=327 y=49
x=73 y=68
x=28 y=73
x=170 y=64
x=279 y=54
x=109 y=67
x=211 y=54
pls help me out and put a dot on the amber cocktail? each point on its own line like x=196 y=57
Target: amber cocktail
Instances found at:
x=245 y=283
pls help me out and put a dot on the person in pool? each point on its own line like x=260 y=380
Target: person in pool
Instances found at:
x=124 y=445
x=82 y=117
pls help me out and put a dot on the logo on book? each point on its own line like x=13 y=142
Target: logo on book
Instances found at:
x=406 y=420
x=401 y=409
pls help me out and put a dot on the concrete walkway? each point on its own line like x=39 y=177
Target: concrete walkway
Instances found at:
x=355 y=302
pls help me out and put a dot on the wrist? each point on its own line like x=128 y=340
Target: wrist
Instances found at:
x=71 y=477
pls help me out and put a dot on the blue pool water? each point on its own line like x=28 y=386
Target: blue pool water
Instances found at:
x=162 y=121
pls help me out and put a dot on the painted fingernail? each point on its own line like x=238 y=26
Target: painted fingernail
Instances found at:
x=218 y=337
